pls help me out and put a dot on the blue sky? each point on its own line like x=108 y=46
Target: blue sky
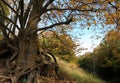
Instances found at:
x=89 y=38
x=86 y=41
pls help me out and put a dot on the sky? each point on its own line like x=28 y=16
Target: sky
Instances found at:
x=89 y=38
x=87 y=42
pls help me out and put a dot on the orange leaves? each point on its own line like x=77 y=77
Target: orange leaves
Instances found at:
x=58 y=12
x=114 y=15
x=72 y=2
x=84 y=7
x=94 y=22
x=88 y=24
x=118 y=5
x=90 y=1
x=60 y=44
x=111 y=0
x=109 y=21
x=74 y=19
x=113 y=36
x=118 y=14
x=110 y=18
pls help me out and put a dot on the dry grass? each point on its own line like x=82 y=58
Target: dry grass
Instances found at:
x=77 y=74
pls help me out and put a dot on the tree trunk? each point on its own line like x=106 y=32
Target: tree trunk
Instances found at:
x=26 y=58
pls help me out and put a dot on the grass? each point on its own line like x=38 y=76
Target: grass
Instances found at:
x=78 y=74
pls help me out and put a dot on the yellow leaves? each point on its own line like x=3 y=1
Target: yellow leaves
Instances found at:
x=106 y=2
x=110 y=0
x=88 y=24
x=113 y=35
x=72 y=2
x=118 y=5
x=110 y=18
x=90 y=1
x=74 y=19
x=58 y=12
x=94 y=22
x=110 y=21
x=86 y=13
x=84 y=7
x=118 y=27
x=114 y=15
x=106 y=15
x=87 y=1
x=118 y=14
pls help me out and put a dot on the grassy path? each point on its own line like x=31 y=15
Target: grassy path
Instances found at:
x=78 y=74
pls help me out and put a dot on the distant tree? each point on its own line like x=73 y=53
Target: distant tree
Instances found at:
x=60 y=45
x=106 y=58
x=86 y=62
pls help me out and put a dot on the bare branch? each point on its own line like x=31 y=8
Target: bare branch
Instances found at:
x=26 y=14
x=9 y=20
x=21 y=6
x=9 y=7
x=72 y=9
x=113 y=5
x=51 y=26
x=50 y=1
x=4 y=28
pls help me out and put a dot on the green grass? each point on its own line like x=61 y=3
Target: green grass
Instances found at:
x=78 y=74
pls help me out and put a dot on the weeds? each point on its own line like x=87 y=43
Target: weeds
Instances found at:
x=77 y=74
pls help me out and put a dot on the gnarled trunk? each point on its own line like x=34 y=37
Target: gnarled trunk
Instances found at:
x=25 y=60
x=27 y=63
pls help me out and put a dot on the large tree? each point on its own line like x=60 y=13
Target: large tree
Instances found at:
x=28 y=17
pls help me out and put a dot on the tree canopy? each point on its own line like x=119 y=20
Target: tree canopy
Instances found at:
x=52 y=13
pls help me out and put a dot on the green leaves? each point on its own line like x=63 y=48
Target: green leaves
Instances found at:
x=105 y=59
x=60 y=45
x=4 y=8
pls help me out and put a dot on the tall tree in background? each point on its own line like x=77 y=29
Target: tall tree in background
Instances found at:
x=61 y=45
x=106 y=58
x=28 y=17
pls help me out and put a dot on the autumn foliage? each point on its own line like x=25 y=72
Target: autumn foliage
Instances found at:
x=21 y=22
x=105 y=59
x=61 y=45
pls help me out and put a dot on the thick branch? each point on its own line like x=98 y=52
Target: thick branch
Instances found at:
x=50 y=1
x=21 y=6
x=51 y=26
x=36 y=12
x=26 y=14
x=73 y=9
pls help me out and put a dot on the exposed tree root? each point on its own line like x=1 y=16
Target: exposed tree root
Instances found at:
x=31 y=74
